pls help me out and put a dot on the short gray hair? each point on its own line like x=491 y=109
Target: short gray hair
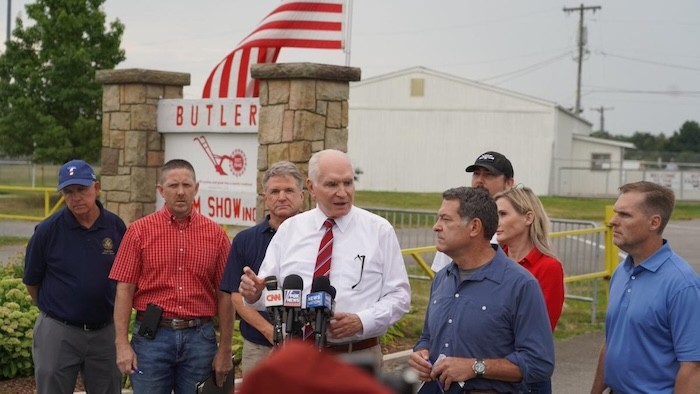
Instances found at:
x=283 y=168
x=314 y=168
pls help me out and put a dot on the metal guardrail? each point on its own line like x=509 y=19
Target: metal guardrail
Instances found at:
x=584 y=248
x=48 y=209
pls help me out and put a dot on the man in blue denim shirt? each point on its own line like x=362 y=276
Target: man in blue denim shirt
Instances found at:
x=486 y=328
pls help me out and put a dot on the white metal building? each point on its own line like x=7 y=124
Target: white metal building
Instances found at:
x=416 y=130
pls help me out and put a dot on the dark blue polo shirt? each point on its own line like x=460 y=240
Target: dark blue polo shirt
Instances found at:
x=71 y=265
x=247 y=249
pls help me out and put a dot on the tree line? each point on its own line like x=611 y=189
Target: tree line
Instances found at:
x=683 y=146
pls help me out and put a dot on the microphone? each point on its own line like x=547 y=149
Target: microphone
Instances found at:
x=293 y=284
x=274 y=305
x=320 y=302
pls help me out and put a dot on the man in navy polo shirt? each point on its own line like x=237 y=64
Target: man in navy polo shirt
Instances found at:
x=283 y=194
x=66 y=270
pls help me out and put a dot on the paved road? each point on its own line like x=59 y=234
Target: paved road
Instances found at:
x=683 y=236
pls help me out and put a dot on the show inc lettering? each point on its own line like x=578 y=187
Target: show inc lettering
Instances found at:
x=226 y=210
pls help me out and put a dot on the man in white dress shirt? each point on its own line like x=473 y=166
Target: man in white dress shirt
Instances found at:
x=491 y=171
x=367 y=269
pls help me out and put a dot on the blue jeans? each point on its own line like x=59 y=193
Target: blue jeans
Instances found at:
x=544 y=387
x=174 y=360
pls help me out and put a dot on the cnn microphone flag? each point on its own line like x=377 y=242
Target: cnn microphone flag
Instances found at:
x=293 y=24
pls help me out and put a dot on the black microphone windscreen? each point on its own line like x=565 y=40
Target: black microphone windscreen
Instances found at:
x=293 y=282
x=271 y=283
x=331 y=291
x=321 y=283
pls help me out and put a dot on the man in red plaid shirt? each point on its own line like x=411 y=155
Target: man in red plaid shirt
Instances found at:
x=173 y=258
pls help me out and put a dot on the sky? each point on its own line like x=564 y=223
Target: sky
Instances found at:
x=642 y=64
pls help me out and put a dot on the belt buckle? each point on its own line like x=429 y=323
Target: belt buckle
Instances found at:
x=175 y=323
x=86 y=328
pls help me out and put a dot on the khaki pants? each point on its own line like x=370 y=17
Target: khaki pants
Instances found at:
x=252 y=355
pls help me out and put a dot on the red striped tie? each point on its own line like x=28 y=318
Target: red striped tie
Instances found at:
x=323 y=264
x=325 y=250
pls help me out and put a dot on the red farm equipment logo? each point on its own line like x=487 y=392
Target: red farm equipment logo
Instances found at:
x=236 y=160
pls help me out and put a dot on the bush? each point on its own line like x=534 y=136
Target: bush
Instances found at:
x=17 y=316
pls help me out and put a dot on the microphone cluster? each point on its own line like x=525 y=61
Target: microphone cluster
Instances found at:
x=287 y=315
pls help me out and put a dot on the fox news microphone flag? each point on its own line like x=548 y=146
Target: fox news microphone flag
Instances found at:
x=297 y=24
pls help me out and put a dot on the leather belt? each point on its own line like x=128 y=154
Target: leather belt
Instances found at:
x=353 y=346
x=83 y=326
x=178 y=323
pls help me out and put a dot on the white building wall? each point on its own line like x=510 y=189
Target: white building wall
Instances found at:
x=428 y=151
x=579 y=178
x=424 y=144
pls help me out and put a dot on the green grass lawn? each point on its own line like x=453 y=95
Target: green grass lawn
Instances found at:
x=12 y=240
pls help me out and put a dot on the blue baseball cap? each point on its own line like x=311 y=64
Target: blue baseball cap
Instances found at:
x=75 y=172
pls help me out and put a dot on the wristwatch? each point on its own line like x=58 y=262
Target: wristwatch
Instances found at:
x=479 y=367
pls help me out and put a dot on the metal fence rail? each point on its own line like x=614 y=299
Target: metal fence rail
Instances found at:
x=413 y=228
x=47 y=192
x=579 y=245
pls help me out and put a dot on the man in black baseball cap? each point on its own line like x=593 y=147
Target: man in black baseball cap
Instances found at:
x=491 y=171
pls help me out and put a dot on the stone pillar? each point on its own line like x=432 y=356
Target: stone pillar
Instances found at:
x=303 y=110
x=132 y=148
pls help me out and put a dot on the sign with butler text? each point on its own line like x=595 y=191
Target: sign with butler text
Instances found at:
x=219 y=137
x=208 y=115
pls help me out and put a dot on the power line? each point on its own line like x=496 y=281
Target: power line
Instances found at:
x=649 y=61
x=600 y=89
x=530 y=68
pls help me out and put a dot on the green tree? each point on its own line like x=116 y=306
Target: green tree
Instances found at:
x=48 y=94
x=686 y=139
x=648 y=142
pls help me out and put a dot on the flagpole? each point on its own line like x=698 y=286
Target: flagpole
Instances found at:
x=9 y=19
x=348 y=34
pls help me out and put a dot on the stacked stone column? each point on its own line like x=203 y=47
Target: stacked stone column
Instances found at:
x=132 y=148
x=303 y=110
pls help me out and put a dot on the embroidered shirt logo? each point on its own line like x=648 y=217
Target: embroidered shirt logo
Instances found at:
x=107 y=246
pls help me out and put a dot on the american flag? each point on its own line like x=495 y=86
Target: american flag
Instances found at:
x=299 y=24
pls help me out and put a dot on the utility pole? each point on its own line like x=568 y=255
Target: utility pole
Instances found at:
x=602 y=115
x=581 y=44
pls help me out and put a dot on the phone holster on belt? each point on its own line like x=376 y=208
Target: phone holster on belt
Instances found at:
x=150 y=321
